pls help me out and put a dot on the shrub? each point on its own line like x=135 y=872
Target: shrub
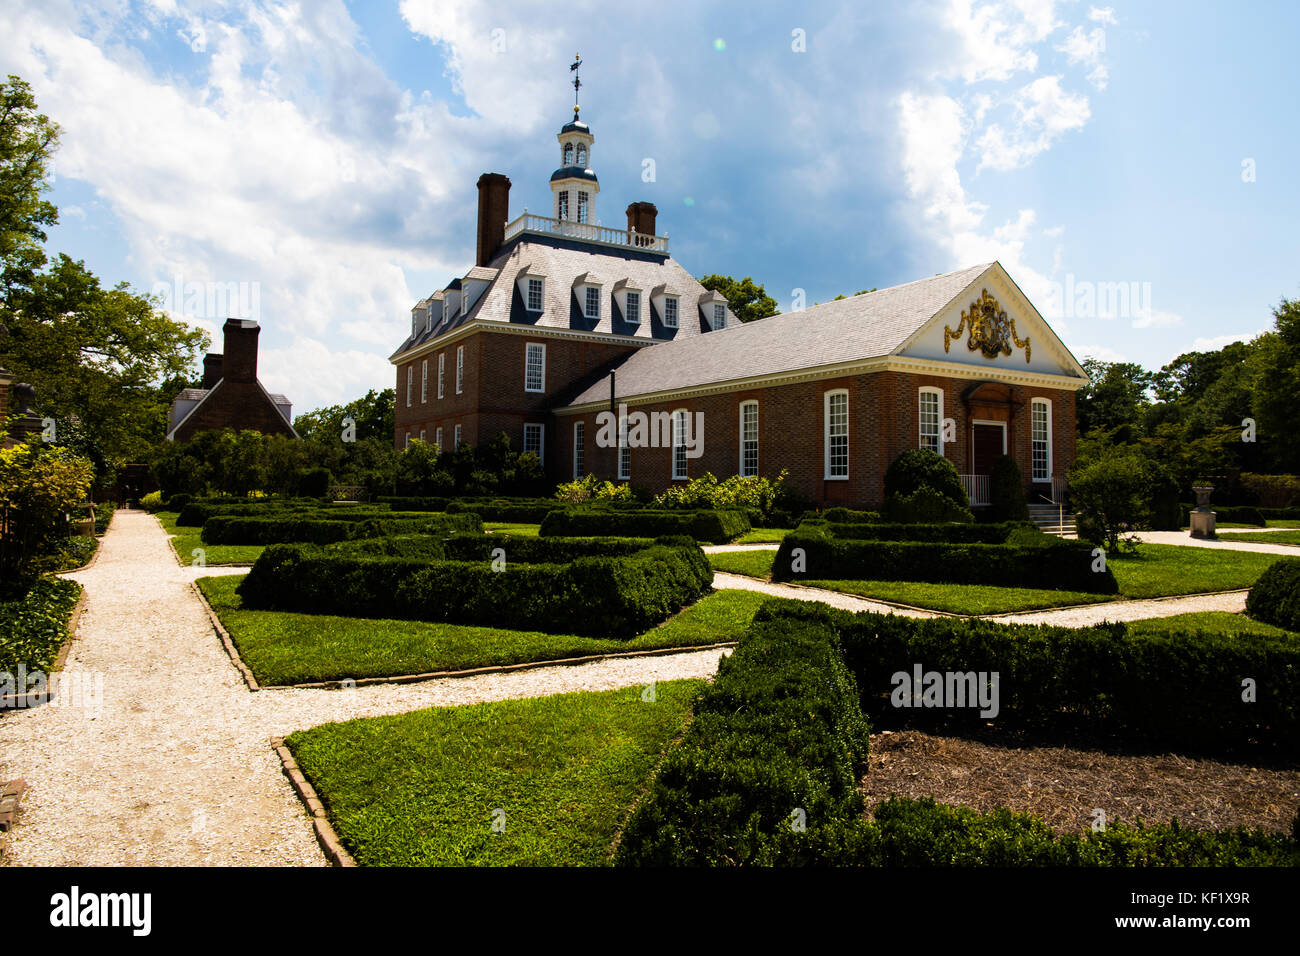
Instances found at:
x=923 y=506
x=1166 y=512
x=950 y=533
x=849 y=516
x=506 y=510
x=103 y=515
x=591 y=488
x=232 y=529
x=1111 y=494
x=34 y=625
x=1007 y=491
x=414 y=503
x=152 y=502
x=39 y=485
x=756 y=495
x=778 y=731
x=1275 y=597
x=717 y=527
x=920 y=468
x=314 y=483
x=593 y=593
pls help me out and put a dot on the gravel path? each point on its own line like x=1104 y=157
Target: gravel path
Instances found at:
x=170 y=764
x=1183 y=538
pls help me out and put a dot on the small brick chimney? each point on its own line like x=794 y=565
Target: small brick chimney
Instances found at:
x=211 y=369
x=239 y=362
x=641 y=217
x=493 y=209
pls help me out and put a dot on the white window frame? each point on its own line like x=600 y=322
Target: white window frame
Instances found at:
x=428 y=318
x=437 y=438
x=540 y=286
x=719 y=316
x=562 y=204
x=421 y=434
x=624 y=453
x=579 y=449
x=531 y=348
x=584 y=205
x=424 y=381
x=749 y=403
x=408 y=441
x=827 y=398
x=676 y=310
x=680 y=463
x=590 y=294
x=580 y=156
x=442 y=371
x=1046 y=404
x=455 y=437
x=632 y=307
x=460 y=368
x=568 y=155
x=541 y=439
x=920 y=418
x=410 y=381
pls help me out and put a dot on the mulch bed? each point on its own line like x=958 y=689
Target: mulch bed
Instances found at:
x=1062 y=786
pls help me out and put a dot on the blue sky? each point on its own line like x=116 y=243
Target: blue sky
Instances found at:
x=322 y=156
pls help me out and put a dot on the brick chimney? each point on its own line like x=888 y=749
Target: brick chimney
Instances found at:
x=641 y=217
x=493 y=209
x=239 y=362
x=211 y=369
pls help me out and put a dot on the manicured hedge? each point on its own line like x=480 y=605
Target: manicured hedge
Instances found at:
x=950 y=532
x=524 y=513
x=1181 y=690
x=1238 y=514
x=850 y=516
x=223 y=529
x=778 y=731
x=1275 y=596
x=717 y=527
x=601 y=595
x=1027 y=560
x=34 y=626
x=195 y=513
x=527 y=550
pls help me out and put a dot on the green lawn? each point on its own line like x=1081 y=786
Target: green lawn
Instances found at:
x=285 y=648
x=757 y=564
x=1268 y=523
x=547 y=781
x=186 y=538
x=1218 y=622
x=1267 y=537
x=960 y=598
x=505 y=527
x=764 y=536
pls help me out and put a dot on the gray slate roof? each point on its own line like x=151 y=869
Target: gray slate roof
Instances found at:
x=561 y=261
x=859 y=327
x=197 y=394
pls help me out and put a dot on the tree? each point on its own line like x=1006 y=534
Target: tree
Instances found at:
x=747 y=300
x=1007 y=491
x=1114 y=396
x=373 y=414
x=858 y=293
x=27 y=142
x=1276 y=388
x=39 y=485
x=1112 y=494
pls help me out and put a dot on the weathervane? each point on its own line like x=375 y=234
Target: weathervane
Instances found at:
x=577 y=83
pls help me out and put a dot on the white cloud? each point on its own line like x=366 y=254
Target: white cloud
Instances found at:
x=1103 y=353
x=1087 y=49
x=1216 y=342
x=1044 y=112
x=1157 y=319
x=996 y=38
x=1102 y=15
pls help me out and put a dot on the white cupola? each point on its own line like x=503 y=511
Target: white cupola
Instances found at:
x=574 y=186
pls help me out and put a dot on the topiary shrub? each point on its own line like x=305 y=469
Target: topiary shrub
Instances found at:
x=925 y=506
x=1275 y=597
x=314 y=483
x=921 y=468
x=1166 y=511
x=1007 y=491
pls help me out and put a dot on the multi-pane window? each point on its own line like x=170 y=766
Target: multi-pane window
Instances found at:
x=534 y=295
x=533 y=439
x=719 y=316
x=582 y=156
x=460 y=368
x=562 y=204
x=633 y=311
x=670 y=312
x=442 y=371
x=624 y=452
x=424 y=381
x=679 y=443
x=748 y=439
x=591 y=307
x=584 y=205
x=437 y=438
x=410 y=379
x=932 y=420
x=568 y=154
x=421 y=434
x=455 y=437
x=837 y=434
x=428 y=318
x=408 y=440
x=1041 y=434
x=535 y=367
x=579 y=452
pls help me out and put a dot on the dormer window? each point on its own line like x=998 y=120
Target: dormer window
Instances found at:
x=632 y=313
x=428 y=318
x=719 y=316
x=582 y=156
x=568 y=154
x=534 y=295
x=670 y=312
x=591 y=308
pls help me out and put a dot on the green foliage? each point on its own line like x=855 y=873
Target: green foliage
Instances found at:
x=850 y=516
x=1275 y=597
x=920 y=468
x=760 y=496
x=1112 y=494
x=924 y=505
x=27 y=143
x=39 y=485
x=746 y=299
x=152 y=502
x=372 y=418
x=34 y=624
x=591 y=488
x=327 y=527
x=103 y=515
x=716 y=527
x=1007 y=491
x=601 y=594
x=314 y=483
x=1114 y=396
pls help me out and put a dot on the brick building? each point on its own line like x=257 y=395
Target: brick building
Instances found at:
x=231 y=396
x=565 y=333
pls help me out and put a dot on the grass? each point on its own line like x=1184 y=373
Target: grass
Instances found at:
x=960 y=598
x=547 y=781
x=1267 y=537
x=1216 y=622
x=1268 y=523
x=764 y=536
x=506 y=527
x=286 y=648
x=756 y=564
x=186 y=539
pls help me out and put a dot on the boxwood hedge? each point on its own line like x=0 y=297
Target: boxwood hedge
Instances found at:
x=1275 y=596
x=1028 y=559
x=595 y=592
x=223 y=529
x=716 y=527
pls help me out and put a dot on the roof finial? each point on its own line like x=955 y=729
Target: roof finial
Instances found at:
x=577 y=83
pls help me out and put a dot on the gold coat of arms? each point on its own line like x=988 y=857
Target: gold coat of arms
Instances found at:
x=992 y=331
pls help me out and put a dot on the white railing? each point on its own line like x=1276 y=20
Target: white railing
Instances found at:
x=1059 y=487
x=587 y=232
x=977 y=488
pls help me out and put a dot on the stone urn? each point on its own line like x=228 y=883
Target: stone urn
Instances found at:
x=1202 y=518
